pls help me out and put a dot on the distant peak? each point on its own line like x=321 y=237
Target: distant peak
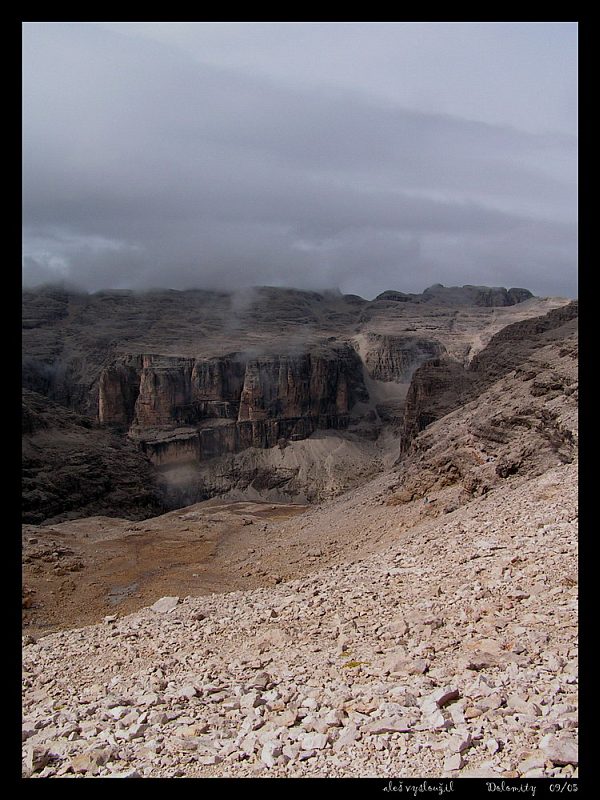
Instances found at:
x=467 y=295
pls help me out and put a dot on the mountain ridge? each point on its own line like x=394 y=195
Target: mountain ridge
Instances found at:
x=196 y=378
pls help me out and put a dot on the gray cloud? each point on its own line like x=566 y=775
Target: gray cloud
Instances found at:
x=144 y=166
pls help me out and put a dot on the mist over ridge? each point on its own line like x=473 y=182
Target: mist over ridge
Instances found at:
x=149 y=161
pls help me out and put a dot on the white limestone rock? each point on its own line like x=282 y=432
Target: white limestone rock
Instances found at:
x=165 y=605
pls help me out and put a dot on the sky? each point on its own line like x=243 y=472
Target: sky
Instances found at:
x=352 y=156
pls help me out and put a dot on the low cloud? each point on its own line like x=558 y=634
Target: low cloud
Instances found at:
x=143 y=167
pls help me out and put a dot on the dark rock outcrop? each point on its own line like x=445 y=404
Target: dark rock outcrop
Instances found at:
x=74 y=468
x=437 y=388
x=511 y=346
x=486 y=296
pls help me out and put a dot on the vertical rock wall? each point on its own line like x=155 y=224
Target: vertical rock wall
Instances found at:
x=199 y=408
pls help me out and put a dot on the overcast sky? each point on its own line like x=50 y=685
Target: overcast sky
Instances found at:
x=358 y=156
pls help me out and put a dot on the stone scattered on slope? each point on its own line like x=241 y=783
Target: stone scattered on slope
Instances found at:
x=162 y=694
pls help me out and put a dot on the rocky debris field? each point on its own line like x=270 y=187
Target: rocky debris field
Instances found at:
x=450 y=651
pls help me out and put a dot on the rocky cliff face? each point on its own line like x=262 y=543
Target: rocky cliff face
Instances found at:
x=395 y=358
x=438 y=294
x=511 y=425
x=437 y=388
x=442 y=385
x=512 y=345
x=186 y=409
x=191 y=377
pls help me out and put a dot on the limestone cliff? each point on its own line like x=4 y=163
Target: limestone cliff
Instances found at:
x=438 y=387
x=186 y=409
x=442 y=385
x=487 y=296
x=395 y=358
